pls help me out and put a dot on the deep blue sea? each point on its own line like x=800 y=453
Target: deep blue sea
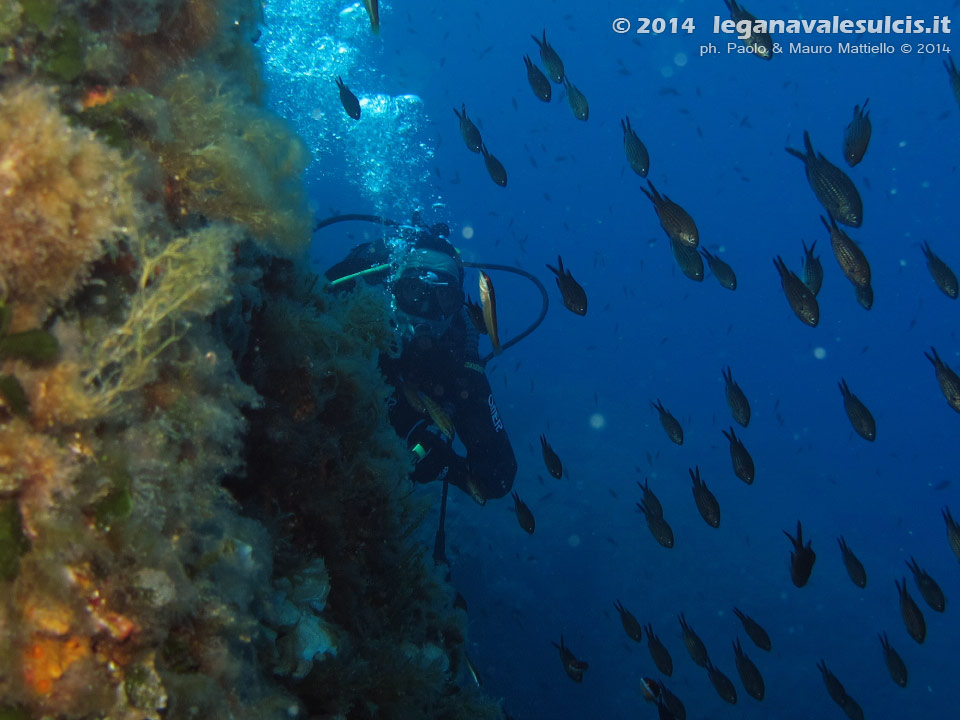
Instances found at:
x=716 y=127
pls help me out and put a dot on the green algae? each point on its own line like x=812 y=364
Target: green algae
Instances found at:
x=13 y=395
x=10 y=14
x=13 y=543
x=118 y=503
x=6 y=315
x=64 y=52
x=35 y=346
x=40 y=12
x=14 y=713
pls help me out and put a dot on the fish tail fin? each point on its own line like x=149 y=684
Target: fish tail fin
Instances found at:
x=796 y=153
x=807 y=145
x=373 y=10
x=655 y=196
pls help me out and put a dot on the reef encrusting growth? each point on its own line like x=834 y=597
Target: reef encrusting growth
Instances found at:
x=147 y=204
x=338 y=474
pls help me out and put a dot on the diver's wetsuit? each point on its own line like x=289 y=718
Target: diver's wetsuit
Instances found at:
x=448 y=370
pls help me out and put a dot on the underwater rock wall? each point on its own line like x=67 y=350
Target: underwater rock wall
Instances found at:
x=203 y=509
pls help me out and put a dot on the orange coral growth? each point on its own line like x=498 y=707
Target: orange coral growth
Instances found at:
x=46 y=659
x=95 y=97
x=63 y=196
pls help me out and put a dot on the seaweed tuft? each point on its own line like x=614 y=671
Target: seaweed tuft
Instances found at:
x=64 y=198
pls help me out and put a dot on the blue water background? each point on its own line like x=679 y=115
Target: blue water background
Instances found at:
x=716 y=128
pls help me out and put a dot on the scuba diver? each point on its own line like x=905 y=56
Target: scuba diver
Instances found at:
x=438 y=376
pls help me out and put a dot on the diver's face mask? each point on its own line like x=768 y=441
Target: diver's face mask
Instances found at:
x=428 y=296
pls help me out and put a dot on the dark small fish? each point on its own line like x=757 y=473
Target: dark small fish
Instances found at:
x=551 y=61
x=861 y=418
x=460 y=602
x=672 y=703
x=834 y=686
x=688 y=260
x=468 y=131
x=577 y=100
x=736 y=399
x=754 y=630
x=943 y=276
x=928 y=587
x=760 y=42
x=833 y=188
x=849 y=256
x=802 y=301
x=706 y=503
x=497 y=173
x=895 y=664
x=650 y=500
x=721 y=270
x=574 y=296
x=953 y=532
x=695 y=646
x=802 y=558
x=658 y=651
x=742 y=462
x=571 y=665
x=812 y=269
x=674 y=220
x=476 y=315
x=524 y=516
x=659 y=528
x=949 y=383
x=636 y=151
x=663 y=712
x=348 y=100
x=853 y=565
x=668 y=705
x=670 y=424
x=749 y=674
x=910 y=612
x=722 y=684
x=864 y=296
x=954 y=77
x=551 y=459
x=857 y=135
x=538 y=81
x=373 y=10
x=852 y=709
x=630 y=625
